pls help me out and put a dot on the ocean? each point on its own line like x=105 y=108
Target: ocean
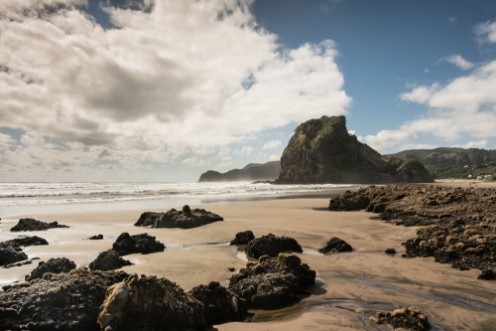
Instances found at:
x=43 y=198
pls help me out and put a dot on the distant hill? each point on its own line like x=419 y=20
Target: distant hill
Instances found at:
x=322 y=151
x=251 y=172
x=453 y=162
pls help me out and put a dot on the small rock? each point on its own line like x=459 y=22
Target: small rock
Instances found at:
x=108 y=260
x=336 y=245
x=390 y=251
x=487 y=275
x=139 y=243
x=54 y=265
x=96 y=237
x=30 y=224
x=242 y=238
x=185 y=219
x=410 y=318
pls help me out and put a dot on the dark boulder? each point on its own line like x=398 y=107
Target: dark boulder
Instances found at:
x=348 y=201
x=138 y=243
x=185 y=219
x=26 y=241
x=54 y=265
x=11 y=254
x=487 y=275
x=96 y=237
x=152 y=304
x=336 y=245
x=390 y=251
x=403 y=319
x=108 y=260
x=272 y=246
x=221 y=305
x=242 y=238
x=30 y=224
x=65 y=301
x=273 y=282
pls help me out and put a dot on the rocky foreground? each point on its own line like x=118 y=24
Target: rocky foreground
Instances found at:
x=458 y=225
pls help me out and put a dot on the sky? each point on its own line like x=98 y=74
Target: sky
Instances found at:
x=163 y=90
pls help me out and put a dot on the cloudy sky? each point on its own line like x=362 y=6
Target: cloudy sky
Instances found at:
x=143 y=90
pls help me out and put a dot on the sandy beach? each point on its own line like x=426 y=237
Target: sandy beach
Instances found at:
x=351 y=287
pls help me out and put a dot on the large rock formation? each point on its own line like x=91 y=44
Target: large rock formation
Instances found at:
x=251 y=172
x=53 y=265
x=322 y=151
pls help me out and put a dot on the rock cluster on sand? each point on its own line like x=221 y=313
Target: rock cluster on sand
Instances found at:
x=150 y=303
x=30 y=224
x=271 y=245
x=460 y=224
x=273 y=282
x=336 y=245
x=139 y=243
x=11 y=254
x=221 y=305
x=11 y=251
x=126 y=244
x=403 y=319
x=242 y=238
x=187 y=218
x=65 y=301
x=323 y=151
x=53 y=265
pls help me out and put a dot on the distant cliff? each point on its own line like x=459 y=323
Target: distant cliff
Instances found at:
x=252 y=172
x=454 y=162
x=322 y=151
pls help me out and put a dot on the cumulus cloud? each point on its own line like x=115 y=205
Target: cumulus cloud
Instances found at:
x=272 y=144
x=171 y=77
x=463 y=108
x=460 y=62
x=486 y=32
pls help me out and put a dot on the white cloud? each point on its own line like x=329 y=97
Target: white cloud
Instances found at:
x=274 y=157
x=272 y=144
x=452 y=19
x=463 y=108
x=157 y=87
x=474 y=144
x=245 y=151
x=460 y=62
x=486 y=32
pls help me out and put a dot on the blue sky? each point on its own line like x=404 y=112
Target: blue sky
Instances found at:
x=143 y=90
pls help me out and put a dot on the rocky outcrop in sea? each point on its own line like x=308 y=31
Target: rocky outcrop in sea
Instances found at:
x=323 y=151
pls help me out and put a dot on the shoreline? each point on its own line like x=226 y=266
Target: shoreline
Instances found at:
x=351 y=285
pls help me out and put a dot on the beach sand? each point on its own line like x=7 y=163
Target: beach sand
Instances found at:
x=351 y=286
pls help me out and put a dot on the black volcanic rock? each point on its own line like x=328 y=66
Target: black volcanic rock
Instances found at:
x=184 y=219
x=108 y=260
x=96 y=237
x=252 y=172
x=30 y=224
x=273 y=282
x=336 y=245
x=221 y=305
x=139 y=243
x=242 y=238
x=26 y=241
x=54 y=265
x=322 y=151
x=11 y=254
x=409 y=318
x=271 y=245
x=65 y=301
x=152 y=304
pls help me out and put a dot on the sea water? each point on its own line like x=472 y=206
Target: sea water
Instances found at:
x=36 y=198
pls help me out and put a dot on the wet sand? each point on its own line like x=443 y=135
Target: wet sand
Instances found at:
x=351 y=286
